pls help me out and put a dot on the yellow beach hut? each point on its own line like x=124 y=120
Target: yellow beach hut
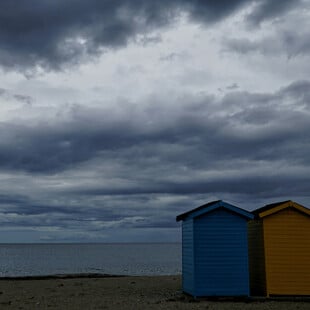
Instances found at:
x=279 y=250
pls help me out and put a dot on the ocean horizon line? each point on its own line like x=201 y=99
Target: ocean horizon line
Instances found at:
x=77 y=242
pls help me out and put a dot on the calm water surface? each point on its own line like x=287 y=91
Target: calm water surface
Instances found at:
x=123 y=259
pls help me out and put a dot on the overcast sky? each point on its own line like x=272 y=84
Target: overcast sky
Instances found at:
x=118 y=115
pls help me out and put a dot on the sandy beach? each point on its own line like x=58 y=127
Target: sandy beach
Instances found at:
x=159 y=292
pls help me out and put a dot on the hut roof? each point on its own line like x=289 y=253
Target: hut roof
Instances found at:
x=279 y=206
x=211 y=206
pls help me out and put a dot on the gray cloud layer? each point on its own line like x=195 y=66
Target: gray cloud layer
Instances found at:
x=289 y=43
x=253 y=126
x=121 y=171
x=266 y=9
x=151 y=163
x=50 y=35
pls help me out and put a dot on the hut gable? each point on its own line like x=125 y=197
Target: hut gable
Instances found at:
x=280 y=206
x=212 y=206
x=215 y=252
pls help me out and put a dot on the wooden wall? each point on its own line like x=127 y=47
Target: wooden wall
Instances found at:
x=188 y=268
x=287 y=253
x=221 y=254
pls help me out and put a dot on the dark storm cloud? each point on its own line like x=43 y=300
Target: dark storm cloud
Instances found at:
x=26 y=212
x=242 y=46
x=254 y=185
x=12 y=199
x=8 y=94
x=266 y=9
x=95 y=170
x=23 y=98
x=232 y=86
x=286 y=42
x=296 y=43
x=299 y=91
x=50 y=35
x=169 y=147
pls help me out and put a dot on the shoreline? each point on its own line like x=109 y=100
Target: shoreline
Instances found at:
x=86 y=275
x=63 y=276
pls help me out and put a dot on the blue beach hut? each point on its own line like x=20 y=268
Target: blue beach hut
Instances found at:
x=215 y=250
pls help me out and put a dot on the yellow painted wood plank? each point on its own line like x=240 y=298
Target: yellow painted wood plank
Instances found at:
x=287 y=253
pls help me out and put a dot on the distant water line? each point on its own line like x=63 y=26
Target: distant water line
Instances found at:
x=114 y=258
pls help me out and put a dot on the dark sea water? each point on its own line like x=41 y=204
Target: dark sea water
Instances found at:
x=118 y=259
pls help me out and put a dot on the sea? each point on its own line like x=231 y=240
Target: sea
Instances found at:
x=20 y=260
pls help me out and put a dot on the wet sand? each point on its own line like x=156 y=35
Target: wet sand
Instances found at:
x=88 y=292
